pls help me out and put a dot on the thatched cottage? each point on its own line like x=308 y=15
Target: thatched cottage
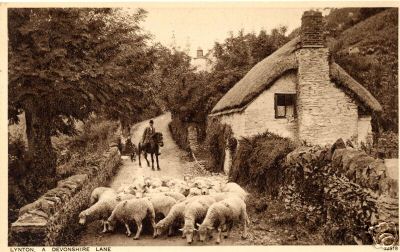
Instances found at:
x=299 y=92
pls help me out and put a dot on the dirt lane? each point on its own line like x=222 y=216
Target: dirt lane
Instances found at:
x=172 y=163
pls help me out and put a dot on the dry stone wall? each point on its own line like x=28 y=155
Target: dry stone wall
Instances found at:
x=342 y=189
x=53 y=219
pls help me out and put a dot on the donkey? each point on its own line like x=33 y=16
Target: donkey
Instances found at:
x=152 y=148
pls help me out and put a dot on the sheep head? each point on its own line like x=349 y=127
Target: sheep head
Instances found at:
x=82 y=218
x=160 y=227
x=188 y=233
x=204 y=230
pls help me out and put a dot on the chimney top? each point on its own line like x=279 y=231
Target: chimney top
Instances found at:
x=311 y=33
x=199 y=52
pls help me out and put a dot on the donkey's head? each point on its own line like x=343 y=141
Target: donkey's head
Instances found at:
x=158 y=138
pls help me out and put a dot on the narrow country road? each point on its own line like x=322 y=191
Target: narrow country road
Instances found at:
x=171 y=164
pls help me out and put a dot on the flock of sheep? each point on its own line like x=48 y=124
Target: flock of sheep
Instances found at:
x=199 y=205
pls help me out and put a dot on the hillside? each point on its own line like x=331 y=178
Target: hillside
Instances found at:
x=368 y=51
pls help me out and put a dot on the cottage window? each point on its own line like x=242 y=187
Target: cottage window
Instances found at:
x=285 y=105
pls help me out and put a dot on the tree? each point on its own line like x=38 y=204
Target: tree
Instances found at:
x=65 y=64
x=192 y=97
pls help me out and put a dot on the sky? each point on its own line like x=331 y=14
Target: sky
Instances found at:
x=202 y=26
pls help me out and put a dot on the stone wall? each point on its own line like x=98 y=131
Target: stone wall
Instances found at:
x=341 y=189
x=260 y=113
x=52 y=220
x=325 y=112
x=194 y=146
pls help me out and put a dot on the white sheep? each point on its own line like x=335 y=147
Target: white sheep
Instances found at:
x=125 y=196
x=235 y=188
x=161 y=203
x=177 y=196
x=133 y=210
x=177 y=185
x=100 y=210
x=215 y=186
x=137 y=187
x=224 y=195
x=180 y=188
x=152 y=182
x=224 y=213
x=195 y=211
x=96 y=193
x=194 y=191
x=174 y=217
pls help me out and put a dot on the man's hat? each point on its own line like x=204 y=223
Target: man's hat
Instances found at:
x=151 y=121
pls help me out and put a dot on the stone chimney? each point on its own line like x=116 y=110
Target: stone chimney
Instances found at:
x=199 y=53
x=311 y=33
x=324 y=112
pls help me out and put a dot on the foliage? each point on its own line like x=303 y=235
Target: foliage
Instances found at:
x=218 y=137
x=340 y=19
x=76 y=153
x=179 y=133
x=73 y=195
x=257 y=162
x=71 y=61
x=386 y=145
x=375 y=65
x=65 y=64
x=16 y=169
x=195 y=94
x=321 y=185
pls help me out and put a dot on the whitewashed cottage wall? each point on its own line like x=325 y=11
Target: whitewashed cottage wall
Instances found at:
x=260 y=113
x=364 y=129
x=236 y=121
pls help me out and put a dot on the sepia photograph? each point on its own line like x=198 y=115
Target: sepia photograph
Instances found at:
x=202 y=124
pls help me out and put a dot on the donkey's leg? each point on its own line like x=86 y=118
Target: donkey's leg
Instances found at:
x=158 y=165
x=145 y=157
x=140 y=151
x=152 y=161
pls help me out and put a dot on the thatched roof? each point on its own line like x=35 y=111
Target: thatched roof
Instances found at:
x=264 y=73
x=259 y=77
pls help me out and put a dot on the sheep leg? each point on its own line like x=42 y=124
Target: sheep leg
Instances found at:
x=218 y=241
x=170 y=230
x=228 y=232
x=153 y=223
x=210 y=234
x=152 y=215
x=245 y=220
x=139 y=230
x=104 y=224
x=128 y=230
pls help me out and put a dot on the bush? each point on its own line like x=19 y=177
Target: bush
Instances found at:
x=257 y=162
x=77 y=152
x=179 y=133
x=386 y=145
x=217 y=137
x=17 y=195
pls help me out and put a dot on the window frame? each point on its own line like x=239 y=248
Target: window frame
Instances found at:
x=293 y=97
